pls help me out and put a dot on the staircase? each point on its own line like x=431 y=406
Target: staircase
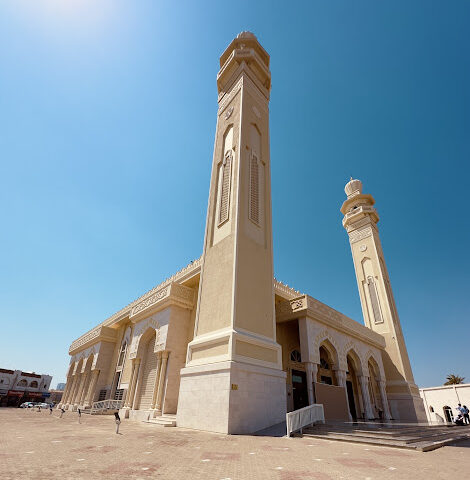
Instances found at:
x=163 y=420
x=411 y=436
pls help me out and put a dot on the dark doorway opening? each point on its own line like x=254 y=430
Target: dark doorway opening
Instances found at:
x=299 y=389
x=351 y=402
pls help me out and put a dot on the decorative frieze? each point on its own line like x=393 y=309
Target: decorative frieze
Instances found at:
x=148 y=302
x=357 y=235
x=175 y=293
x=98 y=334
x=308 y=306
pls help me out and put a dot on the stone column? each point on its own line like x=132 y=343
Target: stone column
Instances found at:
x=63 y=400
x=84 y=388
x=136 y=384
x=78 y=378
x=341 y=378
x=80 y=388
x=161 y=380
x=129 y=389
x=73 y=389
x=91 y=390
x=312 y=369
x=157 y=376
x=364 y=381
x=383 y=396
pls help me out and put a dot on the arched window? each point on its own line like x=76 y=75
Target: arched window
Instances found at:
x=295 y=356
x=325 y=371
x=122 y=354
x=22 y=383
x=33 y=384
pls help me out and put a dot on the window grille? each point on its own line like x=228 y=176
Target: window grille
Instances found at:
x=226 y=171
x=102 y=395
x=118 y=394
x=254 y=189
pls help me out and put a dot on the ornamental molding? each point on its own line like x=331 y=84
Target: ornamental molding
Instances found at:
x=357 y=235
x=98 y=334
x=174 y=293
x=306 y=306
x=226 y=98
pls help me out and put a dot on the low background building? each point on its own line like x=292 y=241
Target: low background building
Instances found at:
x=440 y=402
x=17 y=387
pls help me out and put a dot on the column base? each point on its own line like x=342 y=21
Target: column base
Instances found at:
x=231 y=397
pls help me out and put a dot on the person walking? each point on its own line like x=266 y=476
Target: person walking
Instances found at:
x=50 y=409
x=79 y=416
x=118 y=421
x=466 y=414
x=62 y=411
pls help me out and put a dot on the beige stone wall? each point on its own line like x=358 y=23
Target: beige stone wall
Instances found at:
x=176 y=344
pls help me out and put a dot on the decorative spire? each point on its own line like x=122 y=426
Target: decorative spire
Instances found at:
x=353 y=187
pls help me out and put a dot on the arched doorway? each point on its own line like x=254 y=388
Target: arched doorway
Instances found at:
x=326 y=372
x=148 y=369
x=299 y=380
x=352 y=385
x=448 y=415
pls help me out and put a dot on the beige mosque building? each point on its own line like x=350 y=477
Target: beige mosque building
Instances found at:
x=223 y=346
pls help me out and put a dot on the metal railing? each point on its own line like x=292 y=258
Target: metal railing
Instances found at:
x=303 y=417
x=104 y=405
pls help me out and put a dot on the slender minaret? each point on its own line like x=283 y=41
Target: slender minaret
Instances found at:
x=233 y=380
x=378 y=305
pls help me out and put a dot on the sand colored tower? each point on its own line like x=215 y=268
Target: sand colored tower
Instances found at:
x=233 y=380
x=378 y=305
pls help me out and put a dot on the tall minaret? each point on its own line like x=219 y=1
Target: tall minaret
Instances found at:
x=378 y=305
x=233 y=380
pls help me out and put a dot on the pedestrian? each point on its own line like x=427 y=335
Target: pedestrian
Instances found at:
x=62 y=411
x=79 y=416
x=466 y=415
x=458 y=420
x=50 y=409
x=118 y=421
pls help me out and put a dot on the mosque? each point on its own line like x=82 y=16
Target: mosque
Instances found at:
x=222 y=345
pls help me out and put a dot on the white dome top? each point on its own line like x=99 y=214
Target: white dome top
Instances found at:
x=353 y=187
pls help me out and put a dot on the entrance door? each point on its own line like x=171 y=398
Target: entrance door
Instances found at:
x=448 y=414
x=299 y=389
x=352 y=403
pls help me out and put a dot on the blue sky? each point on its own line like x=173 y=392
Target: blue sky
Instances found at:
x=107 y=121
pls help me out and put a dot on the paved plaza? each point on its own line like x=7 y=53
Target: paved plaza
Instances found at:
x=41 y=446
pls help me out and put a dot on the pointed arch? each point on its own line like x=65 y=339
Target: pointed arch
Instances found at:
x=324 y=338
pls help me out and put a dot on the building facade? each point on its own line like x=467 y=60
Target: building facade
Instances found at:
x=17 y=387
x=440 y=403
x=222 y=344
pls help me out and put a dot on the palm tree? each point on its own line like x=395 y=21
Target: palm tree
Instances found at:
x=454 y=379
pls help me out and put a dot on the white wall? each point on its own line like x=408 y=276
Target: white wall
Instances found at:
x=439 y=397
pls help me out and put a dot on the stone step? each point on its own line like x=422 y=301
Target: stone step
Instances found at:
x=423 y=439
x=164 y=420
x=401 y=435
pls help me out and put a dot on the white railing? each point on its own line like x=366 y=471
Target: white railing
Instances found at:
x=302 y=417
x=106 y=405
